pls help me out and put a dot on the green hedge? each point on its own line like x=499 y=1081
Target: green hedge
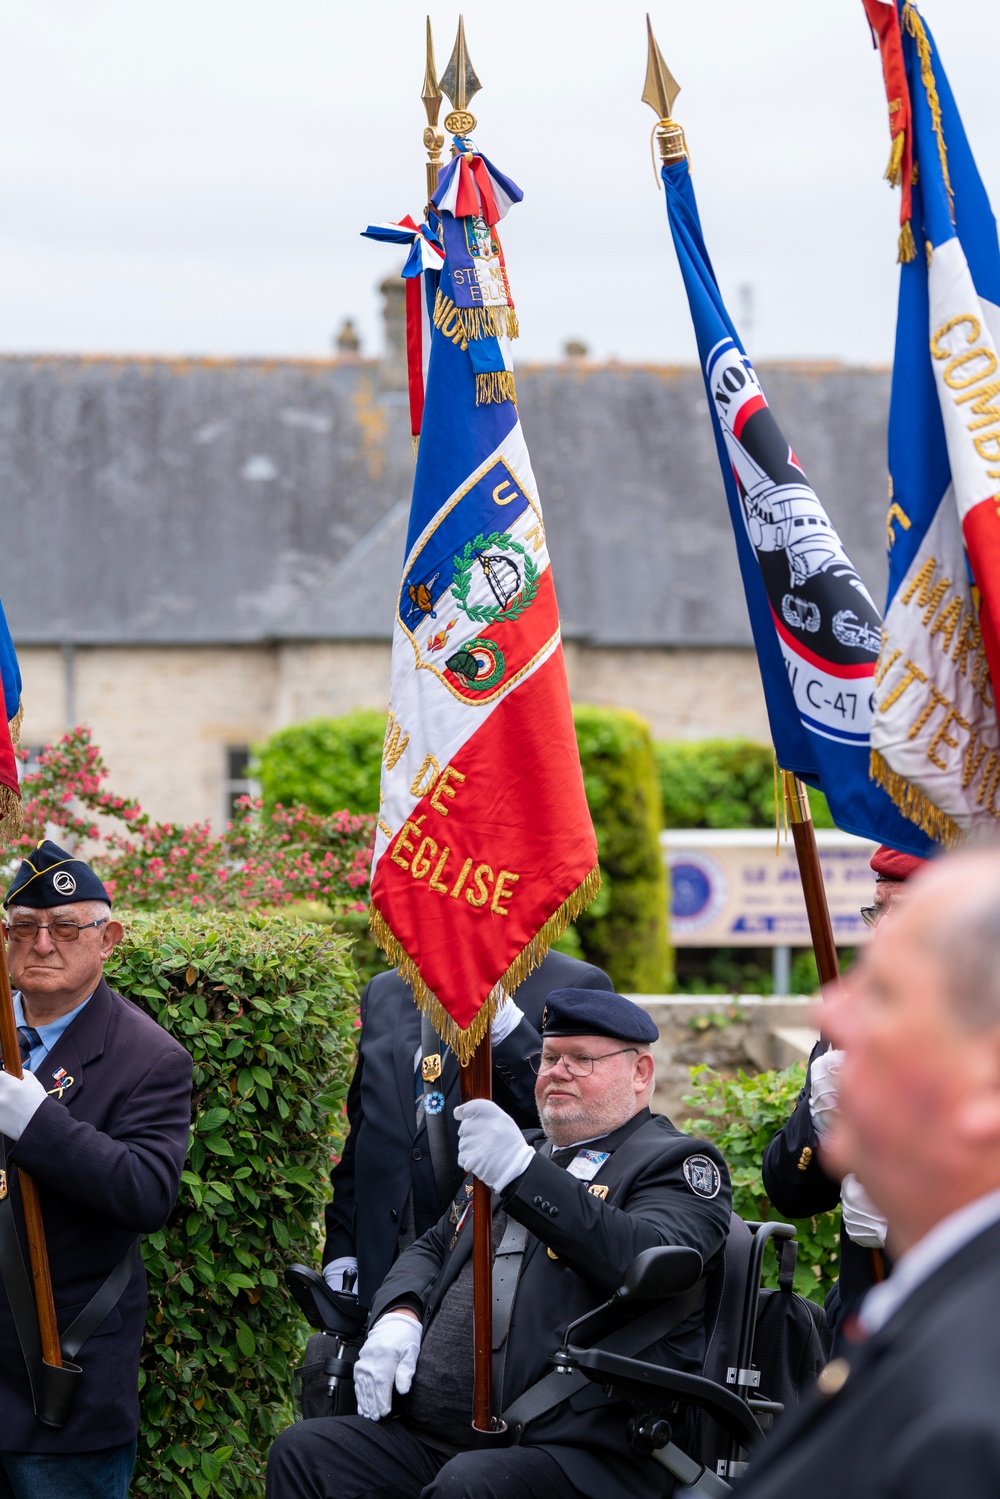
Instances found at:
x=625 y=929
x=741 y=1115
x=327 y=763
x=268 y=1010
x=722 y=783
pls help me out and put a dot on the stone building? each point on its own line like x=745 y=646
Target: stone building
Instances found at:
x=200 y=551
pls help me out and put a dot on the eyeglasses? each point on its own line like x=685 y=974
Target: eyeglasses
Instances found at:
x=60 y=931
x=870 y=915
x=577 y=1065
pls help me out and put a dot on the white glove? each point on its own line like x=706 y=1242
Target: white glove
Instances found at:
x=490 y=1145
x=334 y=1272
x=506 y=1019
x=388 y=1357
x=20 y=1099
x=864 y=1224
x=823 y=1090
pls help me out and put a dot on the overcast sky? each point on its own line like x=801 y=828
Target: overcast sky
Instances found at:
x=190 y=176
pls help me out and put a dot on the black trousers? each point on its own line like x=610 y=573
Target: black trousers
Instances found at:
x=349 y=1457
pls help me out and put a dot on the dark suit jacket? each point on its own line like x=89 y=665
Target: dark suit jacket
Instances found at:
x=798 y=1186
x=917 y=1416
x=107 y=1158
x=649 y=1202
x=385 y=1155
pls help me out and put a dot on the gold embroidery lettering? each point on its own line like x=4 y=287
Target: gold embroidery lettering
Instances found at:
x=947 y=623
x=505 y=484
x=937 y=701
x=895 y=513
x=973 y=759
x=945 y=328
x=913 y=674
x=977 y=375
x=384 y=828
x=460 y=882
x=425 y=776
x=987 y=790
x=981 y=399
x=444 y=788
x=988 y=447
x=536 y=535
x=929 y=598
x=883 y=666
x=943 y=737
x=503 y=890
x=403 y=842
x=969 y=639
x=482 y=870
x=435 y=881
x=393 y=746
x=422 y=861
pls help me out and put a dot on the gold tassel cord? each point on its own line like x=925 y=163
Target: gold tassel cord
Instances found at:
x=915 y=26
x=494 y=387
x=415 y=439
x=914 y=804
x=464 y=325
x=894 y=171
x=464 y=1042
x=15 y=723
x=907 y=245
x=11 y=821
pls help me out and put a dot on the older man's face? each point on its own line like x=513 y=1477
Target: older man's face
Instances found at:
x=906 y=1065
x=575 y=1103
x=58 y=975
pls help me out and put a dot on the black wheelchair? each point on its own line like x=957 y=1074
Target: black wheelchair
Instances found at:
x=731 y=1405
x=719 y=1414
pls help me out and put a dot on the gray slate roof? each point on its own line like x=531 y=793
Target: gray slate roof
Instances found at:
x=213 y=501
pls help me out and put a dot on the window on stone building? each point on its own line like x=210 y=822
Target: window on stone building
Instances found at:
x=238 y=781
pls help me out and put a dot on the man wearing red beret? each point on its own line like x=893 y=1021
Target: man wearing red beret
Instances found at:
x=794 y=1180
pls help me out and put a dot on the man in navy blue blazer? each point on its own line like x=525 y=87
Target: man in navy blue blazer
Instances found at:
x=100 y=1121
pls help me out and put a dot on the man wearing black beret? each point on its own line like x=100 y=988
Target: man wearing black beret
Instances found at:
x=100 y=1120
x=574 y=1203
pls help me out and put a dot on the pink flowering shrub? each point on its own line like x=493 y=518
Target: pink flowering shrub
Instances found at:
x=288 y=855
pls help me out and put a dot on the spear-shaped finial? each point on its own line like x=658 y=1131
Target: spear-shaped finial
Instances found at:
x=460 y=83
x=660 y=92
x=432 y=96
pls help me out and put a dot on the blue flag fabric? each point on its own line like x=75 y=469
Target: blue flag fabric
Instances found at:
x=815 y=626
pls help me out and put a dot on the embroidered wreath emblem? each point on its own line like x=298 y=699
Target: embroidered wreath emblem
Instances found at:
x=509 y=571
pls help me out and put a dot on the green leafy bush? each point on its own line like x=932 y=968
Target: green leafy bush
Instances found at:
x=327 y=763
x=267 y=1008
x=741 y=1115
x=624 y=930
x=722 y=783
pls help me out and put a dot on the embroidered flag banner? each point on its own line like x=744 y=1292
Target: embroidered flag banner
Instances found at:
x=484 y=849
x=935 y=739
x=10 y=728
x=815 y=625
x=421 y=273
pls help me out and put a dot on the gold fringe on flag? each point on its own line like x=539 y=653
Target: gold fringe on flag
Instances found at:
x=11 y=819
x=464 y=1043
x=915 y=26
x=894 y=171
x=15 y=724
x=907 y=245
x=466 y=324
x=494 y=387
x=914 y=804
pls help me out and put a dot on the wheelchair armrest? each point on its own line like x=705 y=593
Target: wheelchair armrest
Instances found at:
x=634 y=1380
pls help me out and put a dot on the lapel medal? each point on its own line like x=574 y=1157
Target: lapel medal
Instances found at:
x=62 y=1081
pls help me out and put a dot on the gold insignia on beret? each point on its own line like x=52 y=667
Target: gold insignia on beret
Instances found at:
x=551 y=1254
x=545 y=1016
x=598 y=1189
x=805 y=1159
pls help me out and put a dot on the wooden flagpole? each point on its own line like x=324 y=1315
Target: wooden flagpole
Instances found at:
x=460 y=82
x=34 y=1227
x=811 y=875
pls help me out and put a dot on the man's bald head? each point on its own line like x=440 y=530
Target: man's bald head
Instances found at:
x=919 y=1021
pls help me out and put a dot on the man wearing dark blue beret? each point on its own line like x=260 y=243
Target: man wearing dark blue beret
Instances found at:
x=574 y=1203
x=100 y=1120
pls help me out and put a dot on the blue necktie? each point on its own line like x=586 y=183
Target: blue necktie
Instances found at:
x=27 y=1039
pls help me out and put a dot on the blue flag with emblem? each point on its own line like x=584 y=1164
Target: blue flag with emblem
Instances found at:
x=815 y=626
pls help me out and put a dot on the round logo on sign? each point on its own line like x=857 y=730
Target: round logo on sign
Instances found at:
x=64 y=883
x=702 y=1175
x=698 y=892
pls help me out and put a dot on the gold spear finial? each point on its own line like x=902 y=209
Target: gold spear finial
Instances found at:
x=432 y=96
x=660 y=92
x=460 y=83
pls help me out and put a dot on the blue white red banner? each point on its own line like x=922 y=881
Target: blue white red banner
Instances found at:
x=485 y=848
x=935 y=737
x=815 y=625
